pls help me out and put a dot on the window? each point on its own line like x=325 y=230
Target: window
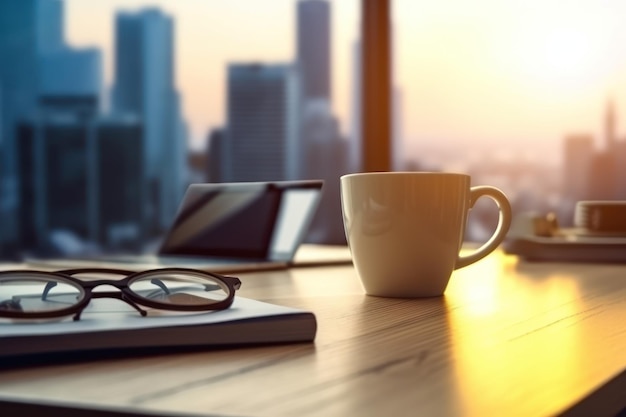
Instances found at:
x=135 y=99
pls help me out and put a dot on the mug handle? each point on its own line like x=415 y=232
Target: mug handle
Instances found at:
x=504 y=222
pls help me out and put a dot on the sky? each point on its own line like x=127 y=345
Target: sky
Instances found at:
x=514 y=75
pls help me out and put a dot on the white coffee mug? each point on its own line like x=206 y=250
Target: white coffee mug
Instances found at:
x=405 y=229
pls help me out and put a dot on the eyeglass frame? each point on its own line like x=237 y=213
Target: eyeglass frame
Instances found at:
x=124 y=294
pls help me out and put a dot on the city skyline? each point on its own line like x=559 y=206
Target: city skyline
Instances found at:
x=518 y=74
x=281 y=120
x=66 y=140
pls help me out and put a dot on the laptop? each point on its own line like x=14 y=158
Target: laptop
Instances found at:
x=225 y=227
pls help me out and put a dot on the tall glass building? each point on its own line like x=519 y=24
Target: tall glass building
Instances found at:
x=144 y=86
x=28 y=29
x=261 y=140
x=313 y=48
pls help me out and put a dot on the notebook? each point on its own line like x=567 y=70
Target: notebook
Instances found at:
x=225 y=227
x=110 y=328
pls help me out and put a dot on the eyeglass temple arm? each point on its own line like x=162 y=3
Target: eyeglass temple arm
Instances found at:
x=49 y=285
x=161 y=285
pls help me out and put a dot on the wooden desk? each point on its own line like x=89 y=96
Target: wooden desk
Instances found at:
x=508 y=338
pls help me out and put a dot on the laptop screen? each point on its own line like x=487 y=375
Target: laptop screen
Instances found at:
x=254 y=220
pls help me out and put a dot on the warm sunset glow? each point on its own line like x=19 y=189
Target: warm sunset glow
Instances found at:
x=562 y=56
x=564 y=52
x=511 y=74
x=481 y=356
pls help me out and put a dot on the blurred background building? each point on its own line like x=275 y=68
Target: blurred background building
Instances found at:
x=261 y=137
x=144 y=87
x=75 y=175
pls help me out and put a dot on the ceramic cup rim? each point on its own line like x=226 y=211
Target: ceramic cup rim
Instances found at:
x=405 y=174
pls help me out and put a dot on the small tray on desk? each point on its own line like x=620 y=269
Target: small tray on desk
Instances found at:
x=570 y=245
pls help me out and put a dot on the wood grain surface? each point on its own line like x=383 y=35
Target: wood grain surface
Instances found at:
x=508 y=338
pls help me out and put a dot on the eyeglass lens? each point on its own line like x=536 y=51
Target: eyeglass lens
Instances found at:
x=38 y=293
x=179 y=289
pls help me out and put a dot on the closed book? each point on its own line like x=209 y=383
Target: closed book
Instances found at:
x=110 y=326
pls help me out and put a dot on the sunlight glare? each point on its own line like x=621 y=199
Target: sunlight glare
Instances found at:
x=560 y=57
x=554 y=344
x=564 y=53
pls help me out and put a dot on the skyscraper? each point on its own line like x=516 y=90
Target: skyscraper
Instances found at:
x=398 y=152
x=71 y=80
x=144 y=86
x=313 y=48
x=50 y=18
x=28 y=29
x=323 y=151
x=68 y=188
x=74 y=175
x=261 y=141
x=615 y=156
x=610 y=125
x=577 y=159
x=325 y=156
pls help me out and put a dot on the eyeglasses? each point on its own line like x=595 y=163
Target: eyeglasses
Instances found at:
x=26 y=294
